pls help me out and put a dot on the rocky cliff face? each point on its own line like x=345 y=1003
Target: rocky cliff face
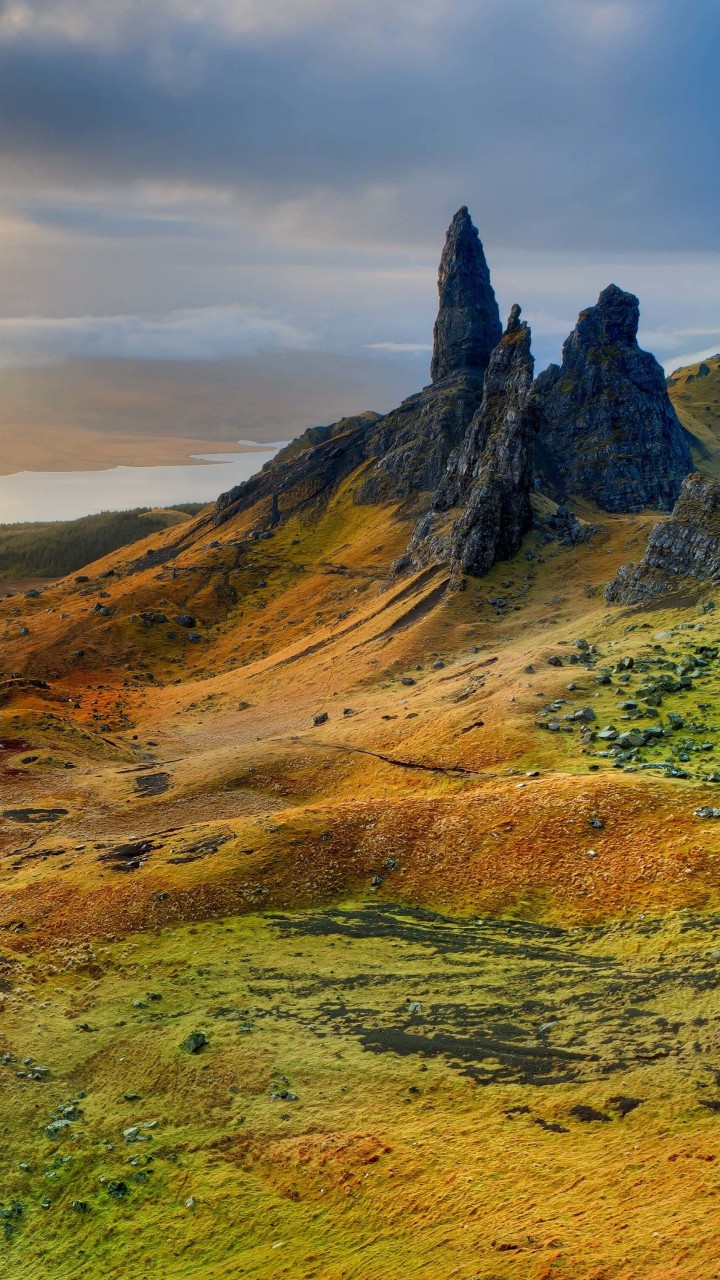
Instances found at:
x=468 y=322
x=408 y=449
x=471 y=445
x=412 y=444
x=609 y=430
x=489 y=476
x=682 y=551
x=302 y=477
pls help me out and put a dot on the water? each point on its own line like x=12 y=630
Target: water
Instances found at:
x=65 y=495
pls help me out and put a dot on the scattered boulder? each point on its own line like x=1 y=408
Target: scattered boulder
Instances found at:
x=194 y=1042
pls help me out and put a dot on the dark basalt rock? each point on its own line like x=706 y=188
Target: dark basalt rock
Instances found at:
x=489 y=477
x=565 y=527
x=468 y=326
x=681 y=552
x=408 y=448
x=609 y=430
x=304 y=474
x=412 y=444
x=497 y=513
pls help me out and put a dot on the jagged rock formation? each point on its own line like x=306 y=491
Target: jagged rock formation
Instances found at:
x=609 y=431
x=489 y=477
x=412 y=444
x=468 y=323
x=682 y=551
x=305 y=474
x=408 y=448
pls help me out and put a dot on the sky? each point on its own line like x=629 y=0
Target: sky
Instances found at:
x=207 y=180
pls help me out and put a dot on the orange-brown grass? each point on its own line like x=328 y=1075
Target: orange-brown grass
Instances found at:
x=242 y=809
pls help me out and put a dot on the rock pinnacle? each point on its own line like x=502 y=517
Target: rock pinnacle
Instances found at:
x=468 y=322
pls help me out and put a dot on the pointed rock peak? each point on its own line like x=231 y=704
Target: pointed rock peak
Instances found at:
x=614 y=318
x=468 y=322
x=511 y=364
x=514 y=322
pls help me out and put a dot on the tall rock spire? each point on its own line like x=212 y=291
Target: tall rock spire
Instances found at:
x=468 y=321
x=481 y=510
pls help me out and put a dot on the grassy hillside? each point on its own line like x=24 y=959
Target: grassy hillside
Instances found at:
x=456 y=965
x=52 y=549
x=695 y=393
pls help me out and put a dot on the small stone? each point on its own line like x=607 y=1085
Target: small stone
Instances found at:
x=194 y=1042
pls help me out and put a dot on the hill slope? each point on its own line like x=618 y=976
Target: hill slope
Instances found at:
x=363 y=925
x=695 y=393
x=54 y=548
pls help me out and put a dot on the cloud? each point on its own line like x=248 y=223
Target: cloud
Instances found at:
x=84 y=22
x=208 y=333
x=400 y=348
x=301 y=159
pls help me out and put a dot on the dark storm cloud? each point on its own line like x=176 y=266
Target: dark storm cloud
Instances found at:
x=583 y=124
x=182 y=175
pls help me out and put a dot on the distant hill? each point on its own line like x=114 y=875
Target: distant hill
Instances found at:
x=52 y=549
x=695 y=393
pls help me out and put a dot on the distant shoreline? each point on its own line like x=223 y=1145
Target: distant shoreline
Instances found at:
x=94 y=451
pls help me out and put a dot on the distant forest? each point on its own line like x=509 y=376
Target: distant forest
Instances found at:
x=63 y=546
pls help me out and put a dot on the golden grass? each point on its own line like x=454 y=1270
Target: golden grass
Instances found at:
x=288 y=877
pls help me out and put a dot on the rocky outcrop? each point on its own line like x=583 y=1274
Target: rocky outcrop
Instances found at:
x=609 y=431
x=489 y=477
x=407 y=450
x=304 y=476
x=682 y=552
x=468 y=321
x=412 y=444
